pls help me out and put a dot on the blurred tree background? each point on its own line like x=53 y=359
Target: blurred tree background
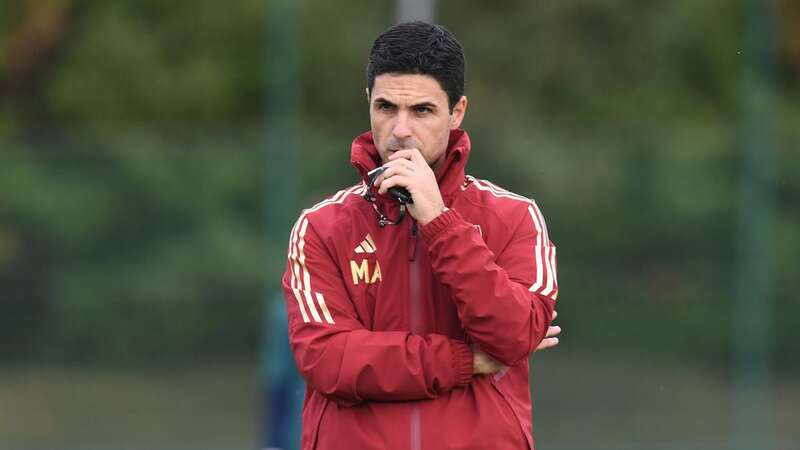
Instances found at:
x=133 y=165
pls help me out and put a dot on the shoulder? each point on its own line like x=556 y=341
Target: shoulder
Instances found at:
x=501 y=201
x=328 y=213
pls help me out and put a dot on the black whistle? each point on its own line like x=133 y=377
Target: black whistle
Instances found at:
x=399 y=193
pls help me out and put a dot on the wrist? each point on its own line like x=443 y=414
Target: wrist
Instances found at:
x=433 y=217
x=443 y=222
x=463 y=363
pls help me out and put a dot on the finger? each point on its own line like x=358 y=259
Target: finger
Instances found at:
x=402 y=162
x=497 y=367
x=555 y=314
x=418 y=158
x=553 y=331
x=397 y=180
x=547 y=343
x=411 y=154
x=405 y=154
x=393 y=170
x=398 y=161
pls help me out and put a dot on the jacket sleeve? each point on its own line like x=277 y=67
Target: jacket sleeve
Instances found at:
x=506 y=301
x=339 y=357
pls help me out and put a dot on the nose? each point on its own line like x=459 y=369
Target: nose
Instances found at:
x=402 y=129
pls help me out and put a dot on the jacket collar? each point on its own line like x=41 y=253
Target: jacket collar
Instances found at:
x=450 y=175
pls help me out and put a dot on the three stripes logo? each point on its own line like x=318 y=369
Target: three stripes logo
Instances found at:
x=310 y=302
x=366 y=246
x=301 y=278
x=544 y=251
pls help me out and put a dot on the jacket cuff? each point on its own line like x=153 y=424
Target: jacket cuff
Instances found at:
x=462 y=363
x=441 y=223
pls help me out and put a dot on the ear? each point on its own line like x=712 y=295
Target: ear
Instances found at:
x=367 y=91
x=457 y=116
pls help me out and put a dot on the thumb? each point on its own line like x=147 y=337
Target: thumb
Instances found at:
x=417 y=157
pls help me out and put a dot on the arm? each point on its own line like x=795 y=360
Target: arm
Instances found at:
x=346 y=362
x=505 y=302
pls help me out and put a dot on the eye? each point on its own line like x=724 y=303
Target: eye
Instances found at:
x=422 y=109
x=382 y=106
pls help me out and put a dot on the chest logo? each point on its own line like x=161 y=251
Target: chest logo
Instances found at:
x=365 y=271
x=366 y=246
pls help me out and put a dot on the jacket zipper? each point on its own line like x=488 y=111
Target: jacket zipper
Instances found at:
x=414 y=280
x=414 y=286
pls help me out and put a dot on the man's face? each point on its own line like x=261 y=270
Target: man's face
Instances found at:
x=411 y=111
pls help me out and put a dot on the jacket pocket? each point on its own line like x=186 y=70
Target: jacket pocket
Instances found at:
x=525 y=436
x=318 y=424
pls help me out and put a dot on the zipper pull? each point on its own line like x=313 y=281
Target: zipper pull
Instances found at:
x=412 y=243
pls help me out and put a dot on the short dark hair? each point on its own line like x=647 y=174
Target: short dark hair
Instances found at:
x=420 y=48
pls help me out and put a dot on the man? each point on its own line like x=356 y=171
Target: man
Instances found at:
x=412 y=323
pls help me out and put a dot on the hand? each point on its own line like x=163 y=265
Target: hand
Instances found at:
x=550 y=339
x=408 y=168
x=482 y=364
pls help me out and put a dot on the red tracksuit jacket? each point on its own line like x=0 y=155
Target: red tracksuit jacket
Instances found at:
x=382 y=320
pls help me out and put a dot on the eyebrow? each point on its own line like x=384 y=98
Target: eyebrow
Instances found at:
x=384 y=101
x=426 y=104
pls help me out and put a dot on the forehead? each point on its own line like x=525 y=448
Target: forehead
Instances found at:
x=409 y=88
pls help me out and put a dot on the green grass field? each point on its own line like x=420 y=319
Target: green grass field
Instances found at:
x=581 y=402
x=197 y=408
x=587 y=402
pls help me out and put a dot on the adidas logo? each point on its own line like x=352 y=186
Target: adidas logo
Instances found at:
x=366 y=246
